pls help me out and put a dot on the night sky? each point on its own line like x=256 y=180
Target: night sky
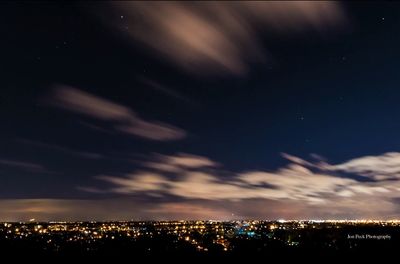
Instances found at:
x=168 y=110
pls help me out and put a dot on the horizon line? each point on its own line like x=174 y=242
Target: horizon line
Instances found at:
x=208 y=220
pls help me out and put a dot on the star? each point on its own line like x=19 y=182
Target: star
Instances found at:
x=122 y=17
x=302 y=118
x=383 y=19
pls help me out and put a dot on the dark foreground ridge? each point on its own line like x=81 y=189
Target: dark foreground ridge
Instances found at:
x=201 y=239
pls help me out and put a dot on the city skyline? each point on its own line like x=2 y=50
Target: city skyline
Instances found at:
x=196 y=111
x=208 y=239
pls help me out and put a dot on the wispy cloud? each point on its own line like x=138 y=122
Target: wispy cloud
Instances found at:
x=96 y=127
x=90 y=189
x=23 y=165
x=156 y=86
x=218 y=36
x=179 y=162
x=82 y=102
x=123 y=118
x=62 y=149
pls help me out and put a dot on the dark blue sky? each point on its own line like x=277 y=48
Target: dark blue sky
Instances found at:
x=296 y=83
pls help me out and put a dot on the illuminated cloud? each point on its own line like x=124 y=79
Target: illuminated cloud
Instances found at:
x=317 y=188
x=179 y=162
x=198 y=178
x=189 y=161
x=293 y=183
x=386 y=166
x=123 y=118
x=151 y=130
x=301 y=189
x=143 y=182
x=218 y=36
